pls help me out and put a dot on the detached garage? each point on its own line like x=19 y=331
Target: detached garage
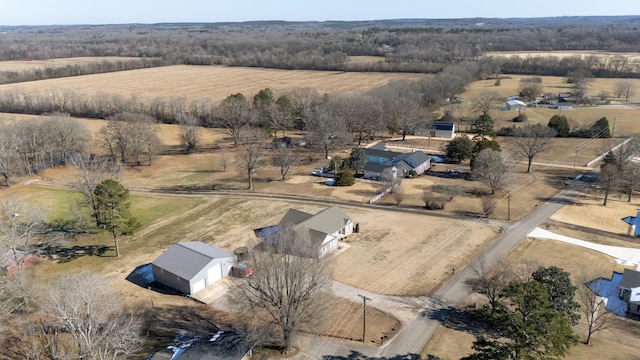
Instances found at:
x=191 y=266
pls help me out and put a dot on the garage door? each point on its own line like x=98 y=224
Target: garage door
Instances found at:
x=198 y=286
x=214 y=274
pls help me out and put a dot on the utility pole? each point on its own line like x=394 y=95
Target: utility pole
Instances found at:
x=364 y=314
x=613 y=128
x=508 y=205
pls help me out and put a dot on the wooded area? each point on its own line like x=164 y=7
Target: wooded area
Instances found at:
x=424 y=46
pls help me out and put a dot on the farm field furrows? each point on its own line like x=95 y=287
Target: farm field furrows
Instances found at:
x=210 y=82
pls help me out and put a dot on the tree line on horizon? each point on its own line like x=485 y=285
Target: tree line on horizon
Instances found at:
x=402 y=46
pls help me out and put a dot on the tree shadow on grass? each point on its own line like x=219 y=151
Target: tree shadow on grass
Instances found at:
x=356 y=355
x=460 y=320
x=166 y=322
x=65 y=254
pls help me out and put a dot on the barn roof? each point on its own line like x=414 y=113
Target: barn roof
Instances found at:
x=186 y=259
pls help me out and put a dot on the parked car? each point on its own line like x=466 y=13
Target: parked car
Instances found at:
x=323 y=172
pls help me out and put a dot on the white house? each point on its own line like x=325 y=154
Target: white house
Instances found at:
x=191 y=266
x=323 y=229
x=514 y=104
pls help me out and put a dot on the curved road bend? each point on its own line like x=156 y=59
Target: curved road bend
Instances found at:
x=414 y=336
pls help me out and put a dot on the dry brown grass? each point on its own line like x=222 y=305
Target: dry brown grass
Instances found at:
x=625 y=113
x=22 y=65
x=616 y=343
x=210 y=82
x=590 y=213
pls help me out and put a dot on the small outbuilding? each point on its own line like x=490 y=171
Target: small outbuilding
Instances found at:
x=516 y=105
x=438 y=129
x=191 y=266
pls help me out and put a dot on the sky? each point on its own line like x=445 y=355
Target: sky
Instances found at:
x=70 y=12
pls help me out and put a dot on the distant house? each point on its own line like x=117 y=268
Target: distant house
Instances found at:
x=378 y=160
x=9 y=261
x=224 y=345
x=634 y=224
x=437 y=129
x=629 y=290
x=516 y=105
x=323 y=229
x=191 y=266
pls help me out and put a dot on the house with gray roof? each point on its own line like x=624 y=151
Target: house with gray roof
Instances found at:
x=223 y=345
x=629 y=290
x=323 y=230
x=379 y=159
x=191 y=266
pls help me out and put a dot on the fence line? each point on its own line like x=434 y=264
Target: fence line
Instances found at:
x=605 y=153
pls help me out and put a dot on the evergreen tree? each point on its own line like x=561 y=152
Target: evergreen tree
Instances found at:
x=459 y=149
x=600 y=128
x=560 y=124
x=561 y=291
x=113 y=209
x=483 y=127
x=531 y=327
x=357 y=159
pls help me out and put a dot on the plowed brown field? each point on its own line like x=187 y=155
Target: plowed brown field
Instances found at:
x=209 y=82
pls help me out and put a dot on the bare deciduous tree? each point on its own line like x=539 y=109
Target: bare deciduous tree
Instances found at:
x=189 y=133
x=488 y=205
x=491 y=281
x=631 y=179
x=389 y=179
x=593 y=306
x=398 y=194
x=19 y=230
x=530 y=140
x=233 y=115
x=115 y=139
x=484 y=101
x=91 y=171
x=8 y=155
x=608 y=180
x=251 y=152
x=66 y=136
x=83 y=307
x=285 y=158
x=284 y=288
x=224 y=158
x=626 y=88
x=493 y=168
x=327 y=131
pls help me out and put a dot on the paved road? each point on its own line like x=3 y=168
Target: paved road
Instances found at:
x=415 y=335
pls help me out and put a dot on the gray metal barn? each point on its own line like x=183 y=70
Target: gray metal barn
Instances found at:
x=191 y=266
